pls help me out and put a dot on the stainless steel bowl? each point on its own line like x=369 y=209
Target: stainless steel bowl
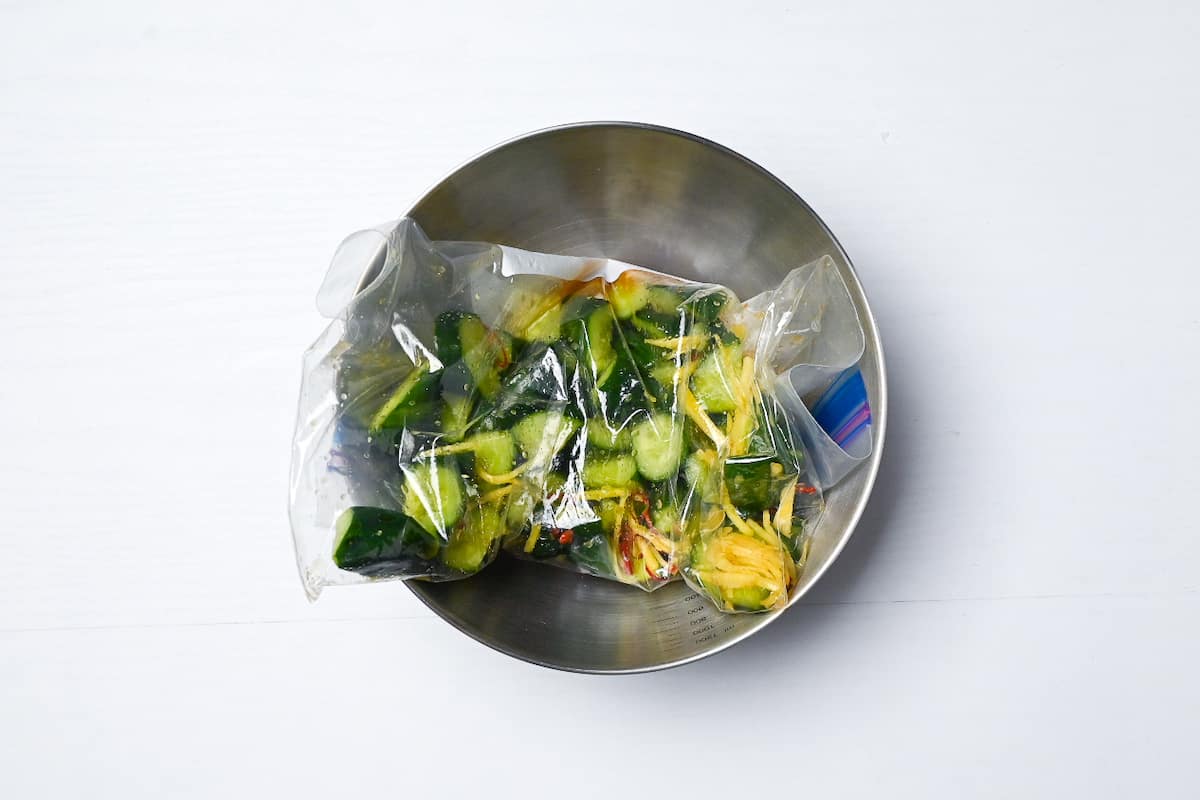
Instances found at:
x=673 y=202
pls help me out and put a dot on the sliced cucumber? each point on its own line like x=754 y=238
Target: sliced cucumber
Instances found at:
x=601 y=434
x=456 y=416
x=544 y=433
x=698 y=474
x=411 y=399
x=591 y=332
x=445 y=335
x=495 y=451
x=749 y=481
x=747 y=598
x=666 y=299
x=590 y=548
x=485 y=352
x=471 y=542
x=608 y=471
x=460 y=336
x=706 y=305
x=628 y=294
x=609 y=512
x=366 y=537
x=653 y=325
x=664 y=511
x=658 y=446
x=664 y=372
x=433 y=495
x=716 y=377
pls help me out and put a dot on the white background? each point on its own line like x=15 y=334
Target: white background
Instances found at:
x=1016 y=182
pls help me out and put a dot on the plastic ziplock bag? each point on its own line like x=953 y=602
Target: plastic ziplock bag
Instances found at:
x=575 y=411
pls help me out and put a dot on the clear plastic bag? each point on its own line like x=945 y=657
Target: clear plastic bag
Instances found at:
x=581 y=412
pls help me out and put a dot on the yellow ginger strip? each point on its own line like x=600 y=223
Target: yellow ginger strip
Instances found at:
x=743 y=414
x=692 y=407
x=507 y=477
x=533 y=537
x=734 y=580
x=446 y=450
x=606 y=494
x=746 y=380
x=783 y=514
x=679 y=343
x=496 y=494
x=649 y=557
x=738 y=522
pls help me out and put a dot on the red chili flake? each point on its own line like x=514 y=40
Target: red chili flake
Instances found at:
x=567 y=536
x=806 y=489
x=672 y=569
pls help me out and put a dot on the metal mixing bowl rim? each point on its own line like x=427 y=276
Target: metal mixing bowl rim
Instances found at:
x=878 y=403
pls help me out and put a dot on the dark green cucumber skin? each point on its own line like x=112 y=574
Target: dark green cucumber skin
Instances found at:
x=622 y=394
x=447 y=341
x=748 y=479
x=708 y=307
x=417 y=406
x=381 y=541
x=657 y=325
x=590 y=548
x=547 y=544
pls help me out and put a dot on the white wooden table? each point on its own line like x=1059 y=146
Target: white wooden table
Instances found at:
x=1018 y=613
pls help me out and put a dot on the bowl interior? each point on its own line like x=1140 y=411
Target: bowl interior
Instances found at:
x=673 y=202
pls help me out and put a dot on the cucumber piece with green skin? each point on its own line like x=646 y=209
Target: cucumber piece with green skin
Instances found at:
x=664 y=511
x=590 y=548
x=608 y=471
x=654 y=325
x=410 y=400
x=665 y=373
x=750 y=482
x=747 y=598
x=520 y=507
x=543 y=375
x=547 y=327
x=714 y=379
x=707 y=305
x=718 y=329
x=666 y=299
x=544 y=429
x=495 y=451
x=642 y=358
x=461 y=337
x=505 y=415
x=472 y=541
x=485 y=352
x=447 y=342
x=658 y=446
x=698 y=475
x=366 y=539
x=456 y=416
x=434 y=495
x=795 y=542
x=548 y=543
x=591 y=333
x=622 y=393
x=628 y=293
x=600 y=434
